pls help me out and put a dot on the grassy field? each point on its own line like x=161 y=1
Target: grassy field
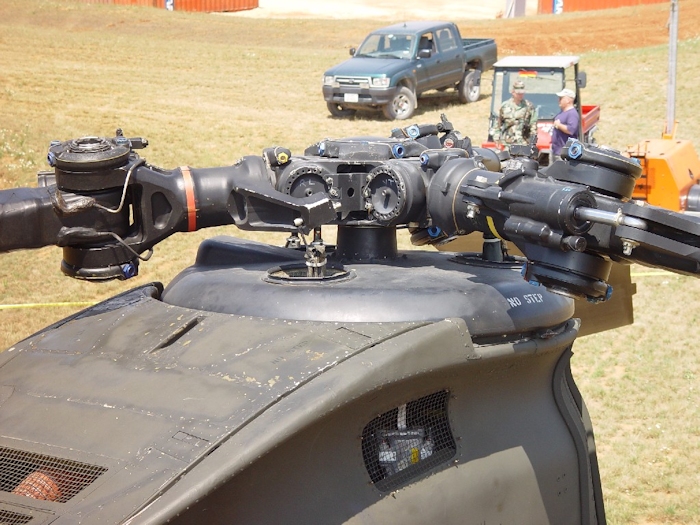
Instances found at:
x=207 y=89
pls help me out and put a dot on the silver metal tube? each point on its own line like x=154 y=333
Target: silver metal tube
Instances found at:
x=608 y=217
x=672 y=53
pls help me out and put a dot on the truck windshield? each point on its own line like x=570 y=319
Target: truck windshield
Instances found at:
x=541 y=88
x=386 y=45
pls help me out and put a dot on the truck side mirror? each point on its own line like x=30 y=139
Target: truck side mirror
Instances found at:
x=424 y=53
x=352 y=51
x=581 y=79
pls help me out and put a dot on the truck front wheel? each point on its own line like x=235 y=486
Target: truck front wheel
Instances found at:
x=469 y=89
x=401 y=106
x=339 y=111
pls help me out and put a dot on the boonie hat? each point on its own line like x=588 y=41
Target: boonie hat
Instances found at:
x=566 y=93
x=518 y=86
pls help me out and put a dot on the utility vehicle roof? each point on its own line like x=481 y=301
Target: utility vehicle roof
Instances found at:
x=537 y=61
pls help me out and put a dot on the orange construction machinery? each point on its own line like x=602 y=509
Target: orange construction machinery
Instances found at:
x=670 y=167
x=670 y=173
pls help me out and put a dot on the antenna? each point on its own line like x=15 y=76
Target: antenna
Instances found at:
x=670 y=130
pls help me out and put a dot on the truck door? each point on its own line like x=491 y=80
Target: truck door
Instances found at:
x=427 y=67
x=450 y=67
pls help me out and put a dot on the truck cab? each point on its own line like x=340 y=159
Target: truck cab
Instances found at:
x=544 y=77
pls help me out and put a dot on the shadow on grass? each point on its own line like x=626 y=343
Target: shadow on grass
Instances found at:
x=439 y=101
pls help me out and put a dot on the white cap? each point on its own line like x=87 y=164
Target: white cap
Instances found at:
x=566 y=93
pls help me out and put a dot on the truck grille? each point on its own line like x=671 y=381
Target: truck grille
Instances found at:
x=353 y=81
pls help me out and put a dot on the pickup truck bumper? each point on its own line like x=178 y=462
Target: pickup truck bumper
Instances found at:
x=356 y=96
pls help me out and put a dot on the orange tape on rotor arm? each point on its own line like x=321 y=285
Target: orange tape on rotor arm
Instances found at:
x=189 y=196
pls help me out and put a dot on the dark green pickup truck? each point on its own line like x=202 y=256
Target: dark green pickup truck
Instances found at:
x=396 y=64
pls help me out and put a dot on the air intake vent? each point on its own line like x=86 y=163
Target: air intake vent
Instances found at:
x=44 y=477
x=407 y=441
x=13 y=518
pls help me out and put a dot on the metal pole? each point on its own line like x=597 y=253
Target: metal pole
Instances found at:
x=672 y=52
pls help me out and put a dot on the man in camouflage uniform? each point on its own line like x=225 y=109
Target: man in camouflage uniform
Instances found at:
x=517 y=119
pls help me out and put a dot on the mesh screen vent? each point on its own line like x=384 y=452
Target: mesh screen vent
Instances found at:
x=13 y=518
x=407 y=441
x=44 y=477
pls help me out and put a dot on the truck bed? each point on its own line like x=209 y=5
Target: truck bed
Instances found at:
x=480 y=50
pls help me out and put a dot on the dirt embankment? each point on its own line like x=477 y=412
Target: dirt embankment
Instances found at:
x=623 y=28
x=575 y=33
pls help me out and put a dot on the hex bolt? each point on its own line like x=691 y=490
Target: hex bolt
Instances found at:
x=628 y=246
x=128 y=270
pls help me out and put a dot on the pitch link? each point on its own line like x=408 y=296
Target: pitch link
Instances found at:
x=609 y=218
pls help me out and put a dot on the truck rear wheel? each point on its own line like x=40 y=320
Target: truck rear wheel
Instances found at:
x=339 y=111
x=401 y=106
x=469 y=89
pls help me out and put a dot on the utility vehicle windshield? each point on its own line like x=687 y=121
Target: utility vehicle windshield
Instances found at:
x=541 y=88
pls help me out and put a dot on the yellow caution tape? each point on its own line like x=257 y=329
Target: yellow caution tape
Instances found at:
x=492 y=227
x=44 y=305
